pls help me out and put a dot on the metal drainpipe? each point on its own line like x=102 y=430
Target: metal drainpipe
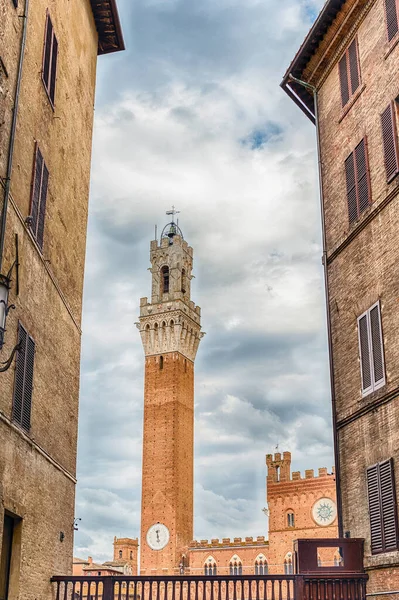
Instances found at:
x=12 y=134
x=326 y=289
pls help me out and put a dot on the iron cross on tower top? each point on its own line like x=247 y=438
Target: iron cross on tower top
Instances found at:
x=173 y=212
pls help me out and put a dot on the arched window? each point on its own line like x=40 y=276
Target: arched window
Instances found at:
x=183 y=281
x=131 y=555
x=288 y=568
x=210 y=566
x=161 y=363
x=120 y=553
x=235 y=566
x=261 y=566
x=290 y=519
x=165 y=280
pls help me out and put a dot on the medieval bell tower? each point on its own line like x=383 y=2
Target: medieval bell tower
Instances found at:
x=170 y=328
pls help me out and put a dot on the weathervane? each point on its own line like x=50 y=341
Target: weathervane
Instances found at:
x=173 y=212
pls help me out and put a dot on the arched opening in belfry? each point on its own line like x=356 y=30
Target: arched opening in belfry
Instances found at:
x=183 y=281
x=165 y=280
x=161 y=363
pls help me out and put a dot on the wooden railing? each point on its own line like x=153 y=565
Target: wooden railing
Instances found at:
x=217 y=587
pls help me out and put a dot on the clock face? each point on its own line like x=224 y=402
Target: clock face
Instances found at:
x=324 y=511
x=157 y=536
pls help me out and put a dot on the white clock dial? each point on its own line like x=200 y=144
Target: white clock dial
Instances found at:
x=324 y=511
x=157 y=536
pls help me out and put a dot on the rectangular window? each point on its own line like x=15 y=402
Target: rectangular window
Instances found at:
x=50 y=53
x=391 y=16
x=23 y=385
x=357 y=181
x=371 y=349
x=390 y=141
x=39 y=197
x=5 y=556
x=349 y=72
x=382 y=507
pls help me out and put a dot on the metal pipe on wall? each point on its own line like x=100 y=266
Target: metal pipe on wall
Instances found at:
x=326 y=293
x=7 y=185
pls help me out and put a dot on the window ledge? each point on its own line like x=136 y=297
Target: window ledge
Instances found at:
x=351 y=102
x=392 y=45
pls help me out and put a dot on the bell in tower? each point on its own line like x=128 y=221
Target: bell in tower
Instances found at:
x=170 y=329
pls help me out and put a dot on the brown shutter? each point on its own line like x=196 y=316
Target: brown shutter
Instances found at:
x=343 y=77
x=362 y=178
x=42 y=207
x=376 y=343
x=54 y=54
x=353 y=67
x=351 y=188
x=364 y=352
x=17 y=405
x=47 y=52
x=36 y=191
x=28 y=387
x=388 y=503
x=391 y=18
x=373 y=490
x=389 y=139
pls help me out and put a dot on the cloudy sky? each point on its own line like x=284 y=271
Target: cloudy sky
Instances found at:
x=192 y=114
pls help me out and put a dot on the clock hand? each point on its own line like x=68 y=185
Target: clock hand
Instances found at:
x=157 y=532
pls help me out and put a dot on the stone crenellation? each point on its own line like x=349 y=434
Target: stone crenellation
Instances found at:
x=227 y=542
x=279 y=469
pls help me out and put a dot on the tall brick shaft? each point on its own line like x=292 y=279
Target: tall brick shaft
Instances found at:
x=170 y=329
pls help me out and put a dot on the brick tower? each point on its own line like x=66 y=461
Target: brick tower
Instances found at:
x=170 y=330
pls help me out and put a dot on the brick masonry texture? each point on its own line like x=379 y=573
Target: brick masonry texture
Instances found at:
x=37 y=469
x=363 y=259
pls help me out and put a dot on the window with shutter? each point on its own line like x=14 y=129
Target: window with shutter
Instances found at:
x=50 y=54
x=357 y=181
x=349 y=72
x=382 y=507
x=390 y=141
x=371 y=350
x=23 y=385
x=39 y=197
x=391 y=14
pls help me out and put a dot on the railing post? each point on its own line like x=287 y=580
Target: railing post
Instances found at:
x=108 y=588
x=299 y=587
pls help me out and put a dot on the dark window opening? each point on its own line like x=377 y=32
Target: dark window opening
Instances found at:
x=120 y=553
x=161 y=363
x=291 y=519
x=183 y=281
x=131 y=555
x=5 y=558
x=165 y=280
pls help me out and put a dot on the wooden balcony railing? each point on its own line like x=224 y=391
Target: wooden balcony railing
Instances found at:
x=218 y=587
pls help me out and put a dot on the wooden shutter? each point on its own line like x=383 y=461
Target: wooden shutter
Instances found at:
x=389 y=139
x=373 y=489
x=18 y=399
x=351 y=188
x=54 y=54
x=362 y=176
x=354 y=75
x=39 y=197
x=42 y=207
x=343 y=77
x=388 y=505
x=377 y=345
x=364 y=347
x=47 y=52
x=23 y=385
x=391 y=14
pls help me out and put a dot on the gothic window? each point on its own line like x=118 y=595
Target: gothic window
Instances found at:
x=288 y=568
x=120 y=553
x=183 y=281
x=235 y=567
x=290 y=519
x=210 y=566
x=261 y=566
x=165 y=280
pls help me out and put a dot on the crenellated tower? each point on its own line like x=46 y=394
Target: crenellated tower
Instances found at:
x=170 y=329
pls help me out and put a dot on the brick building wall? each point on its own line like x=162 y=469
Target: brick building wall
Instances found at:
x=38 y=462
x=362 y=256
